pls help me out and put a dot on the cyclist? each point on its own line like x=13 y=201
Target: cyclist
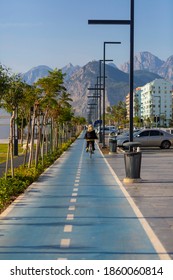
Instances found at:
x=90 y=136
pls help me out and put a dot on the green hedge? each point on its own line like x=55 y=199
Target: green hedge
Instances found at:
x=10 y=187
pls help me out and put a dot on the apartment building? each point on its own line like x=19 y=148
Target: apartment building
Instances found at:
x=153 y=103
x=156 y=102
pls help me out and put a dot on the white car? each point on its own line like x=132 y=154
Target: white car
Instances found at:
x=109 y=130
x=149 y=138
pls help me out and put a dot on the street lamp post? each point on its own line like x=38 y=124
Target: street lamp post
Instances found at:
x=131 y=23
x=100 y=80
x=104 y=90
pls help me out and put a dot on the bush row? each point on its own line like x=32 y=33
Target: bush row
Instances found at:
x=10 y=187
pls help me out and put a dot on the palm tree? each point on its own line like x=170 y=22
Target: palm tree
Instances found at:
x=12 y=97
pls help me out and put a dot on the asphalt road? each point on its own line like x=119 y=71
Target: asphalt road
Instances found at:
x=77 y=210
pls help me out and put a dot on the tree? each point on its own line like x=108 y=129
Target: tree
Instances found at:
x=12 y=96
x=117 y=113
x=136 y=106
x=53 y=104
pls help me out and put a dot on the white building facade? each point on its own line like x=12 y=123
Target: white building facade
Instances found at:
x=156 y=102
x=136 y=103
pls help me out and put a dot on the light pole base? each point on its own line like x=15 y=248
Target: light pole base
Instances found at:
x=132 y=180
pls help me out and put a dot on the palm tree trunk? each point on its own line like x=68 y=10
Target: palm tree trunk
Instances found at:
x=32 y=138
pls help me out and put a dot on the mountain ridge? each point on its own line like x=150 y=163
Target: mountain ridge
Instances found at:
x=78 y=79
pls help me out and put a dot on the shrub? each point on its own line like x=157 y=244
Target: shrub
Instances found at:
x=10 y=187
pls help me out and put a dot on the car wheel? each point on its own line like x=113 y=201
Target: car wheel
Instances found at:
x=112 y=133
x=165 y=144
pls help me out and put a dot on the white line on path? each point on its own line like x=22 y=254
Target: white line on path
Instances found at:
x=73 y=200
x=70 y=217
x=65 y=243
x=68 y=228
x=72 y=208
x=161 y=251
x=74 y=194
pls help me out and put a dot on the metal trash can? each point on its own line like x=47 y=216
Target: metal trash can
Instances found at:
x=112 y=145
x=132 y=160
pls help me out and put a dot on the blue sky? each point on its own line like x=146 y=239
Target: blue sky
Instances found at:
x=56 y=32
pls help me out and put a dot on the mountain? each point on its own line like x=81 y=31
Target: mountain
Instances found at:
x=78 y=79
x=151 y=63
x=117 y=84
x=69 y=70
x=41 y=71
x=166 y=70
x=35 y=73
x=144 y=61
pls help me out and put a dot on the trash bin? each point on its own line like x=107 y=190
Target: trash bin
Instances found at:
x=112 y=145
x=132 y=162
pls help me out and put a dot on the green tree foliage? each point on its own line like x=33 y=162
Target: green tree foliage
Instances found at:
x=117 y=114
x=45 y=108
x=4 y=82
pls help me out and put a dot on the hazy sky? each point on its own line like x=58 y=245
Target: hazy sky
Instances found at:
x=56 y=32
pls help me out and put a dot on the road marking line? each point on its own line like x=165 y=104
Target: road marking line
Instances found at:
x=74 y=194
x=70 y=217
x=75 y=189
x=65 y=243
x=68 y=228
x=76 y=185
x=73 y=200
x=72 y=208
x=161 y=251
x=76 y=181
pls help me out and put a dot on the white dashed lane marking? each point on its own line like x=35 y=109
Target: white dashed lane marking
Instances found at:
x=65 y=243
x=70 y=217
x=68 y=228
x=72 y=208
x=74 y=194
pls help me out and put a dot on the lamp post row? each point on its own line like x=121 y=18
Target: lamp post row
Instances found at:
x=131 y=23
x=104 y=86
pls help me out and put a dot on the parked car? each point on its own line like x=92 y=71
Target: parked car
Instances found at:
x=109 y=130
x=126 y=133
x=149 y=138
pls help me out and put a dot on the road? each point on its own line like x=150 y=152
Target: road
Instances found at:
x=77 y=210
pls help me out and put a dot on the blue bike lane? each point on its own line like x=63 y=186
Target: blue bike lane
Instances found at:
x=75 y=211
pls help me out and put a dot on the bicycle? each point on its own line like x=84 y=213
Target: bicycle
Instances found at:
x=90 y=149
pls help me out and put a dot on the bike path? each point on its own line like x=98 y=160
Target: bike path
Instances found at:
x=76 y=210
